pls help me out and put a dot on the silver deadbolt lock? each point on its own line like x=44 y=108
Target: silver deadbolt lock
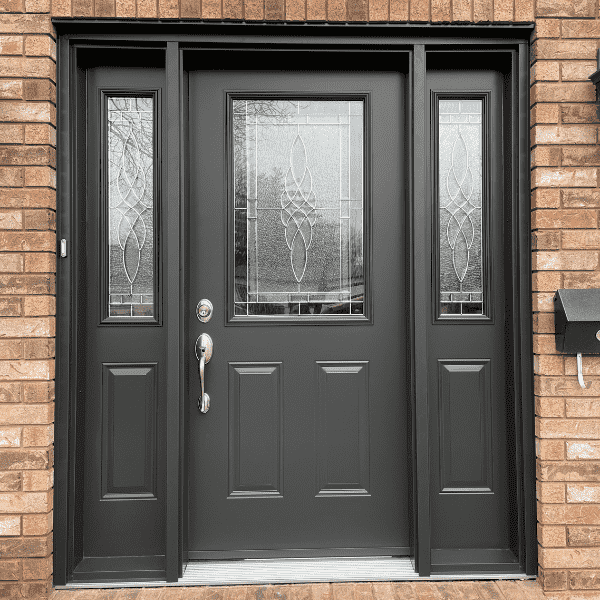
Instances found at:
x=204 y=310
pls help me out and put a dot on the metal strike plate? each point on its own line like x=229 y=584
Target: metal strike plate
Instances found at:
x=204 y=345
x=204 y=310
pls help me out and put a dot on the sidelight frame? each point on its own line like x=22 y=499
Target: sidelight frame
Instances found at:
x=175 y=39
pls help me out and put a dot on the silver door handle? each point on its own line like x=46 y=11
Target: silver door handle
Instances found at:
x=204 y=350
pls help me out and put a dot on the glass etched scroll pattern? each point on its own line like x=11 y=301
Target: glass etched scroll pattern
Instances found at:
x=131 y=207
x=298 y=193
x=460 y=207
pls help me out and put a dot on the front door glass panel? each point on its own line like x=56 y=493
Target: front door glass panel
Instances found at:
x=298 y=203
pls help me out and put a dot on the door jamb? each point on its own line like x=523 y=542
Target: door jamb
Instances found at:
x=174 y=38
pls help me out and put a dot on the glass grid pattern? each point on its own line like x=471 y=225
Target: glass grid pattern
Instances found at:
x=131 y=276
x=460 y=162
x=298 y=203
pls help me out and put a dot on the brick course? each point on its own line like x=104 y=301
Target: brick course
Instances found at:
x=565 y=240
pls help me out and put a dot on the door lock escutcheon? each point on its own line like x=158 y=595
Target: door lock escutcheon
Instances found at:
x=204 y=310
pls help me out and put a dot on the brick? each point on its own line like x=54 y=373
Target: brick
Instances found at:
x=578 y=113
x=11 y=6
x=147 y=9
x=27 y=155
x=524 y=10
x=554 y=580
x=580 y=156
x=28 y=241
x=441 y=11
x=580 y=198
x=571 y=514
x=39 y=305
x=580 y=29
x=461 y=10
x=544 y=344
x=38 y=436
x=11 y=89
x=564 y=49
x=399 y=10
x=563 y=261
x=61 y=8
x=168 y=9
x=545 y=240
x=588 y=450
x=12 y=176
x=17 y=460
x=546 y=198
x=11 y=482
x=10 y=307
x=565 y=428
x=547 y=28
x=543 y=302
x=27 y=327
x=569 y=471
x=105 y=8
x=255 y=10
x=27 y=369
x=483 y=10
x=503 y=10
x=577 y=70
x=189 y=9
x=581 y=280
x=40 y=177
x=591 y=365
x=550 y=493
x=37 y=568
x=562 y=92
x=38 y=392
x=564 y=219
x=26 y=547
x=10 y=437
x=11 y=263
x=295 y=10
x=37 y=481
x=583 y=492
x=28 y=198
x=581 y=239
x=548 y=365
x=545 y=281
x=356 y=10
x=82 y=8
x=37 y=6
x=545 y=70
x=37 y=524
x=566 y=8
x=23 y=23
x=11 y=133
x=39 y=89
x=10 y=570
x=10 y=349
x=40 y=219
x=40 y=45
x=11 y=219
x=568 y=177
x=10 y=392
x=543 y=323
x=552 y=536
x=583 y=580
x=565 y=386
x=13 y=66
x=211 y=9
x=546 y=156
x=42 y=112
x=550 y=449
x=571 y=134
x=379 y=10
x=419 y=10
x=34 y=349
x=582 y=407
x=40 y=262
x=27 y=284
x=550 y=407
x=583 y=536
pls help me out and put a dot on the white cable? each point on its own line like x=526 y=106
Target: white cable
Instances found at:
x=580 y=370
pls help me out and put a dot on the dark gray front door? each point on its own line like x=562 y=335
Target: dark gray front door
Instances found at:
x=296 y=235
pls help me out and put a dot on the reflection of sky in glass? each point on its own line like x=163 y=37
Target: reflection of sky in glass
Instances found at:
x=460 y=203
x=130 y=210
x=299 y=200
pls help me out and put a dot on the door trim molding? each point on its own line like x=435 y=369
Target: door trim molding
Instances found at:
x=175 y=39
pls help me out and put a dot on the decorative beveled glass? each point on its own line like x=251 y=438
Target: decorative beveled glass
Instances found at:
x=299 y=205
x=131 y=272
x=460 y=208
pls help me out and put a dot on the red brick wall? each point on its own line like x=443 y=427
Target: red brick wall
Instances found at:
x=565 y=239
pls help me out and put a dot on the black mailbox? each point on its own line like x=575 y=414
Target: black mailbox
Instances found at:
x=577 y=321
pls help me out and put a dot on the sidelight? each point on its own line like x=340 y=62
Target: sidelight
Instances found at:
x=130 y=186
x=460 y=208
x=298 y=197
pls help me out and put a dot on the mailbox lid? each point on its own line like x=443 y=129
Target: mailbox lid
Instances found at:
x=579 y=305
x=577 y=321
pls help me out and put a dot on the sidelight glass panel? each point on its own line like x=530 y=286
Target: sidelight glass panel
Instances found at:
x=298 y=203
x=131 y=271
x=460 y=183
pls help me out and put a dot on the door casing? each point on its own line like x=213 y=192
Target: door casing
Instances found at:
x=170 y=45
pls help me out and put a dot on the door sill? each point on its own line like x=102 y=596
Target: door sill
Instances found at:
x=300 y=570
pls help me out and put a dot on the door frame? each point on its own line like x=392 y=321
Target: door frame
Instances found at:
x=172 y=40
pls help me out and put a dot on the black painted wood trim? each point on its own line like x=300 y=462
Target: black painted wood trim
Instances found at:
x=174 y=250
x=420 y=278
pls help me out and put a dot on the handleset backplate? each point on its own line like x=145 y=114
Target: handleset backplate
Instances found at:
x=204 y=341
x=204 y=310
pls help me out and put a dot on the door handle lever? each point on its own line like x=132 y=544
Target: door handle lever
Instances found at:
x=204 y=350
